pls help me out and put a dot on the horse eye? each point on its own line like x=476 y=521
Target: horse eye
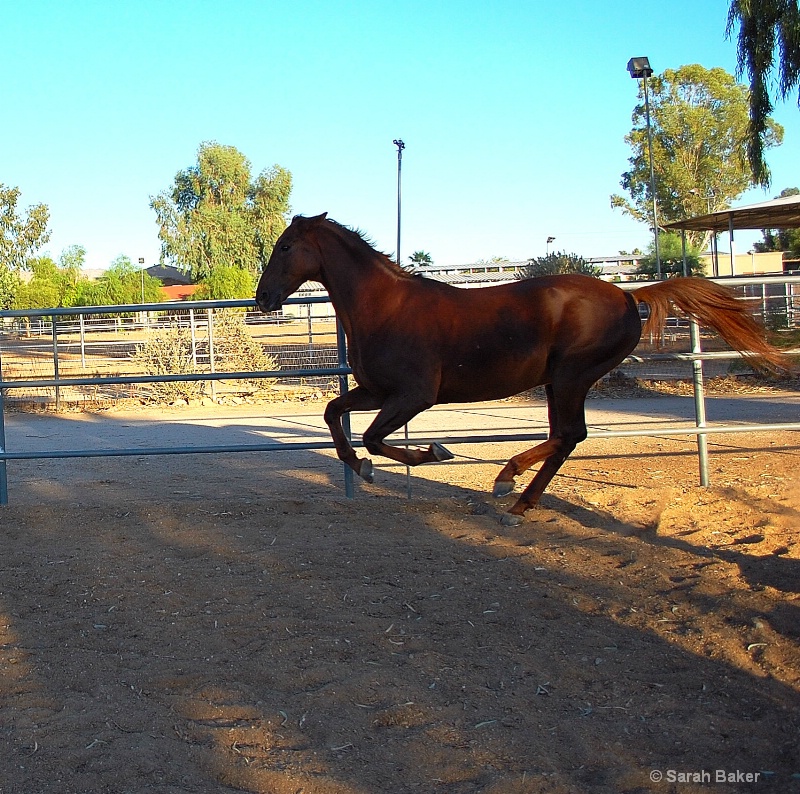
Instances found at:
x=284 y=247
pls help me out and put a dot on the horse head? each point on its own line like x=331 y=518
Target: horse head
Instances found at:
x=295 y=259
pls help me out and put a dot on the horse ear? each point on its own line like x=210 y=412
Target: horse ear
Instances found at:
x=313 y=221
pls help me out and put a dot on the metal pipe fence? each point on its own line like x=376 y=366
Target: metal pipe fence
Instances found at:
x=339 y=373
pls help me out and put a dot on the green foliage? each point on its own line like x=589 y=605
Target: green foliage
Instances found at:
x=73 y=258
x=10 y=282
x=559 y=263
x=216 y=215
x=495 y=261
x=781 y=239
x=226 y=282
x=21 y=235
x=49 y=286
x=766 y=28
x=699 y=120
x=671 y=250
x=122 y=283
x=420 y=259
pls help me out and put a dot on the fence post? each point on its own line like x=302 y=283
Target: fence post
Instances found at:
x=55 y=362
x=3 y=467
x=210 y=321
x=83 y=340
x=699 y=401
x=341 y=357
x=193 y=333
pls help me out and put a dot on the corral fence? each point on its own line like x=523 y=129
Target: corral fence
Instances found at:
x=86 y=356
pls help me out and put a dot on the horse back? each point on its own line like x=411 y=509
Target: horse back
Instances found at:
x=460 y=344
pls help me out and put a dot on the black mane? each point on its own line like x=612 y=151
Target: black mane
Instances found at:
x=360 y=238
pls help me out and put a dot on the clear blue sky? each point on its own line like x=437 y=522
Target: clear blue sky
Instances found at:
x=513 y=113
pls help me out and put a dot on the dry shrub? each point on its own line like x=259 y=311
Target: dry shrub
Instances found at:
x=236 y=350
x=168 y=351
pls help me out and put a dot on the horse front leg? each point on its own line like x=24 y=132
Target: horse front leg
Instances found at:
x=359 y=399
x=396 y=412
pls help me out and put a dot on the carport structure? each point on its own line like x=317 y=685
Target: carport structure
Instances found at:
x=779 y=213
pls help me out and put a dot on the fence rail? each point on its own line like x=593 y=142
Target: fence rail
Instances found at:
x=56 y=379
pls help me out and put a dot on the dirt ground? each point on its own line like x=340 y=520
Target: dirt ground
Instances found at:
x=227 y=623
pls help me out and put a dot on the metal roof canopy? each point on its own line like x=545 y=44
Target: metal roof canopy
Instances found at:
x=780 y=213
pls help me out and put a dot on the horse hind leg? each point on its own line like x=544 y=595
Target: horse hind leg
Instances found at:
x=531 y=495
x=519 y=464
x=568 y=429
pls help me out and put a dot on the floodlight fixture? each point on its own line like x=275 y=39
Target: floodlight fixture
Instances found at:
x=640 y=67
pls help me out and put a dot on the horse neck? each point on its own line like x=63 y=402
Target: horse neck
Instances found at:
x=356 y=278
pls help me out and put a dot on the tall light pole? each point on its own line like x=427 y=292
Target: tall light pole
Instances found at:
x=141 y=269
x=549 y=240
x=639 y=68
x=400 y=146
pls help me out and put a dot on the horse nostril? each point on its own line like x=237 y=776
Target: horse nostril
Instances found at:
x=266 y=302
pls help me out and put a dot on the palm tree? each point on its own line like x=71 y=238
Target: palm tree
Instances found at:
x=420 y=259
x=767 y=28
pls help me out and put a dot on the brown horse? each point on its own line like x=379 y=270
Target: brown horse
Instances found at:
x=414 y=342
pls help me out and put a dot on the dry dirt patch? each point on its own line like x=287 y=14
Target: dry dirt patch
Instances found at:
x=227 y=623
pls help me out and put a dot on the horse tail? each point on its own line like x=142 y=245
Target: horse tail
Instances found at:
x=713 y=305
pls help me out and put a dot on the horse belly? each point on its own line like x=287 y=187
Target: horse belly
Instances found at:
x=492 y=374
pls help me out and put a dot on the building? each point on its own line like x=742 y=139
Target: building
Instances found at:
x=475 y=275
x=621 y=267
x=750 y=263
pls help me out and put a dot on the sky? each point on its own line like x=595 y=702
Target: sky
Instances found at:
x=513 y=113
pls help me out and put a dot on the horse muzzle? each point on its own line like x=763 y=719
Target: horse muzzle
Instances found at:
x=269 y=302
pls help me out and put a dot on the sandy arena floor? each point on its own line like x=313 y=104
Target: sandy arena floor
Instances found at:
x=221 y=623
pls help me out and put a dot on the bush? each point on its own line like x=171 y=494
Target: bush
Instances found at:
x=168 y=351
x=236 y=350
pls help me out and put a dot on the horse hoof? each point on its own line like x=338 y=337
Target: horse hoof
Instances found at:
x=366 y=470
x=502 y=488
x=440 y=453
x=510 y=520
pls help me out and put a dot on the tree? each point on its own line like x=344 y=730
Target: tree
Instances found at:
x=21 y=235
x=121 y=284
x=420 y=259
x=10 y=283
x=216 y=215
x=766 y=28
x=699 y=122
x=226 y=282
x=555 y=264
x=50 y=285
x=671 y=252
x=73 y=258
x=781 y=239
